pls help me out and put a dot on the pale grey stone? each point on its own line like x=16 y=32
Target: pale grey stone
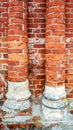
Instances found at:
x=36 y=110
x=13 y=105
x=55 y=104
x=25 y=105
x=18 y=90
x=9 y=115
x=66 y=123
x=56 y=128
x=4 y=108
x=55 y=93
x=50 y=114
x=1 y=95
x=17 y=119
x=37 y=40
x=17 y=97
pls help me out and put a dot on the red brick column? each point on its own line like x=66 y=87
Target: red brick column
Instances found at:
x=55 y=54
x=55 y=43
x=18 y=84
x=69 y=47
x=17 y=41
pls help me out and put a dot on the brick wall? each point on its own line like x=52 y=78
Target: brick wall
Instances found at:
x=69 y=47
x=36 y=45
x=3 y=17
x=3 y=47
x=36 y=42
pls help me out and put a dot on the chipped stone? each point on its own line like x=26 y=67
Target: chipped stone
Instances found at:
x=10 y=115
x=18 y=90
x=13 y=106
x=17 y=119
x=55 y=93
x=17 y=97
x=51 y=114
x=55 y=104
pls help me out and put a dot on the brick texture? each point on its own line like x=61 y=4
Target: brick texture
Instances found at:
x=35 y=16
x=3 y=17
x=69 y=47
x=36 y=45
x=3 y=68
x=3 y=47
x=55 y=43
x=17 y=41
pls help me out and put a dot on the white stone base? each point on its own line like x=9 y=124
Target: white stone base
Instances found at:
x=18 y=90
x=55 y=104
x=11 y=106
x=17 y=97
x=53 y=114
x=17 y=119
x=55 y=93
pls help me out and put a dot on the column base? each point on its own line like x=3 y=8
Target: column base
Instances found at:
x=18 y=116
x=17 y=97
x=17 y=119
x=54 y=103
x=13 y=106
x=54 y=114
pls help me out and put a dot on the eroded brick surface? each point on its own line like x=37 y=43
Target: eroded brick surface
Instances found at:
x=69 y=47
x=51 y=16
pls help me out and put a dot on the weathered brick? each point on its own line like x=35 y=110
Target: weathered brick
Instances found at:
x=58 y=18
x=36 y=30
x=55 y=42
x=69 y=35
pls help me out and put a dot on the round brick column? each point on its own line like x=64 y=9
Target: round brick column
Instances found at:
x=18 y=83
x=55 y=58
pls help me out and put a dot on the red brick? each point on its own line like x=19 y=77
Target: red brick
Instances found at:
x=20 y=125
x=15 y=51
x=1 y=10
x=12 y=74
x=52 y=20
x=12 y=38
x=55 y=3
x=39 y=0
x=13 y=63
x=17 y=79
x=12 y=126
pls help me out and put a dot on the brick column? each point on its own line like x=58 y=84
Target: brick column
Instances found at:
x=69 y=48
x=18 y=84
x=55 y=94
